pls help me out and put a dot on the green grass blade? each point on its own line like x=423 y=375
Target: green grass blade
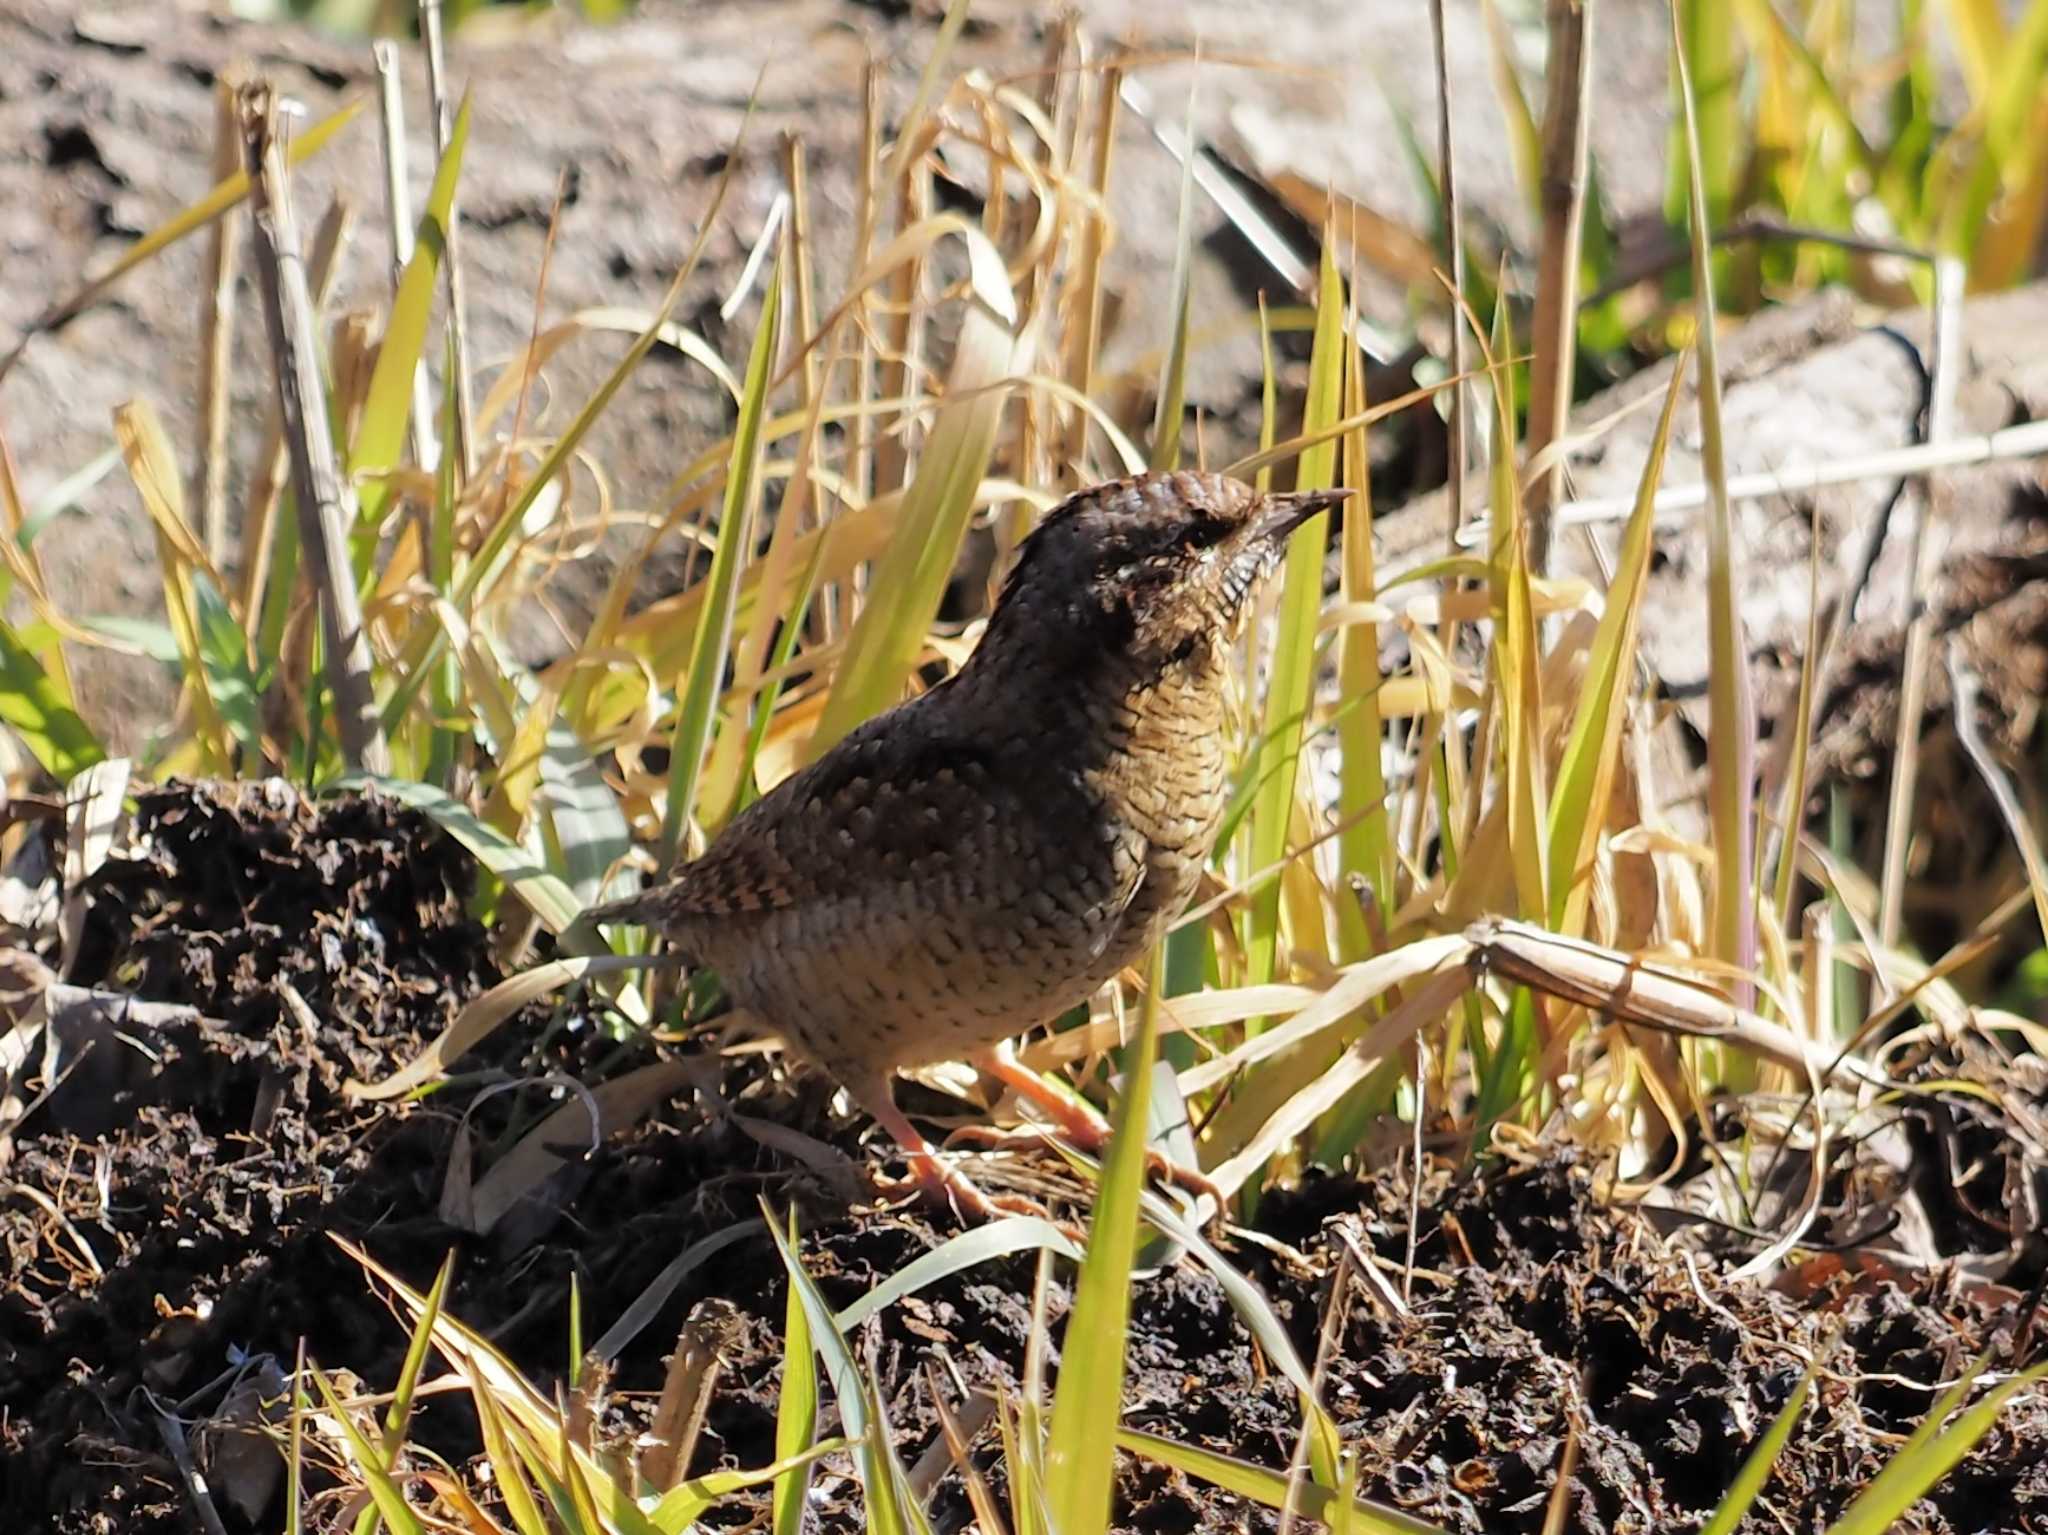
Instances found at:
x=1731 y=734
x=587 y=834
x=1088 y=1396
x=698 y=701
x=399 y=1414
x=1706 y=148
x=1290 y=692
x=911 y=575
x=1366 y=845
x=687 y=1502
x=1756 y=1469
x=983 y=1244
x=1929 y=1456
x=2007 y=145
x=224 y=652
x=1525 y=141
x=387 y=406
x=1517 y=661
x=796 y=1410
x=1259 y=1318
x=1977 y=28
x=543 y=891
x=1271 y=1488
x=384 y=1492
x=859 y=1408
x=38 y=709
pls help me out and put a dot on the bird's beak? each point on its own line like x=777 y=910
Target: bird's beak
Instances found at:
x=1281 y=515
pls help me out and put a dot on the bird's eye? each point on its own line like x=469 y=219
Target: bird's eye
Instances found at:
x=1203 y=532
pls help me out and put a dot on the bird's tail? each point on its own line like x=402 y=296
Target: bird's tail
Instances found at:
x=636 y=909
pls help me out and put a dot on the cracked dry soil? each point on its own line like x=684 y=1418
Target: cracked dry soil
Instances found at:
x=228 y=1155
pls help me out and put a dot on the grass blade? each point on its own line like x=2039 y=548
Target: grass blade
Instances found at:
x=910 y=577
x=543 y=891
x=1756 y=1470
x=387 y=409
x=1731 y=732
x=1929 y=1455
x=1275 y=766
x=1271 y=1488
x=698 y=703
x=889 y=1506
x=1585 y=773
x=190 y=220
x=38 y=709
x=1366 y=845
x=1517 y=661
x=1088 y=1398
x=796 y=1410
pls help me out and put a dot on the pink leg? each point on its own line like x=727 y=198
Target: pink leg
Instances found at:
x=1078 y=1122
x=946 y=1187
x=1076 y=1118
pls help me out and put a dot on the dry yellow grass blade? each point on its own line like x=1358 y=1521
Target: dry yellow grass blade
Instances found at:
x=1631 y=990
x=147 y=451
x=1355 y=986
x=910 y=576
x=1421 y=1007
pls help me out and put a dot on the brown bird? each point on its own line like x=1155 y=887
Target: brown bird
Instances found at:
x=980 y=859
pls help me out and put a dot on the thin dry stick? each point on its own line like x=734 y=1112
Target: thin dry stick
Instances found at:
x=902 y=319
x=217 y=329
x=398 y=211
x=1449 y=724
x=1929 y=519
x=451 y=264
x=1454 y=240
x=325 y=500
x=803 y=301
x=330 y=240
x=1567 y=112
x=1086 y=336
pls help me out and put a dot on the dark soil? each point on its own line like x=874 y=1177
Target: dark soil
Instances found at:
x=228 y=1156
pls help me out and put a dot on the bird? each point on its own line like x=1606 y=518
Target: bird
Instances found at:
x=983 y=857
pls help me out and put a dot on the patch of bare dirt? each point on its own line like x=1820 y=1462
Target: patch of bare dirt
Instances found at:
x=201 y=1176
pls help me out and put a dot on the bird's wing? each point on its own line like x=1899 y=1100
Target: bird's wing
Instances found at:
x=911 y=812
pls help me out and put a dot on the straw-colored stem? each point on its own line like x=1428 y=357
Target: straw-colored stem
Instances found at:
x=1929 y=542
x=1567 y=113
x=398 y=212
x=1086 y=337
x=259 y=518
x=326 y=503
x=217 y=331
x=451 y=265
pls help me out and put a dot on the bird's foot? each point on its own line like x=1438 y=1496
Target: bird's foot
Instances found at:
x=1078 y=1122
x=948 y=1188
x=1160 y=1166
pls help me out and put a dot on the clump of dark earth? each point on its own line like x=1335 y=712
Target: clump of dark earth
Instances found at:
x=213 y=1169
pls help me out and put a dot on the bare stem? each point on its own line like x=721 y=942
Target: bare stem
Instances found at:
x=1929 y=541
x=325 y=500
x=458 y=310
x=1567 y=112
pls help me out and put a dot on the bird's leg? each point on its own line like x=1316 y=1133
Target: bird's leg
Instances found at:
x=1084 y=1128
x=1075 y=1115
x=946 y=1187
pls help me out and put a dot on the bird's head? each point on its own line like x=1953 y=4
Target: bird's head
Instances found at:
x=1159 y=568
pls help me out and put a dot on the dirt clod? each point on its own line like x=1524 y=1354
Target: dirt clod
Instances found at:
x=193 y=1250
